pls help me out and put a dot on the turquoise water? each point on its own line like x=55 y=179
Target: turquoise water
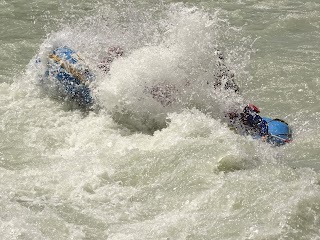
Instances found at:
x=133 y=169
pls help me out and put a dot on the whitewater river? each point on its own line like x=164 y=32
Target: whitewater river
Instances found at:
x=131 y=168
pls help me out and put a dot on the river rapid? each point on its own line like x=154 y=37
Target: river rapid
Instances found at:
x=132 y=168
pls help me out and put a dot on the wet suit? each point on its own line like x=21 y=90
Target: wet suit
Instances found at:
x=253 y=122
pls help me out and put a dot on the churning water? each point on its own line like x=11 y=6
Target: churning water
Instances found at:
x=131 y=168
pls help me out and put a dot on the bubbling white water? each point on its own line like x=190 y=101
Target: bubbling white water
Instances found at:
x=179 y=51
x=71 y=174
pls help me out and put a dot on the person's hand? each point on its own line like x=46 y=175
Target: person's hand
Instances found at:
x=264 y=138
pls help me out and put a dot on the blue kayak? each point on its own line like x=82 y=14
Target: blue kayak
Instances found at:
x=279 y=132
x=70 y=76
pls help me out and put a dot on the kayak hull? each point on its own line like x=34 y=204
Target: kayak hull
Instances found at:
x=68 y=76
x=279 y=131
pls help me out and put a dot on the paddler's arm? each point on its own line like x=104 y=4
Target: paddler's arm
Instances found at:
x=263 y=129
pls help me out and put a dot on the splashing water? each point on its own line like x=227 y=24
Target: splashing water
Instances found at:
x=180 y=55
x=71 y=174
